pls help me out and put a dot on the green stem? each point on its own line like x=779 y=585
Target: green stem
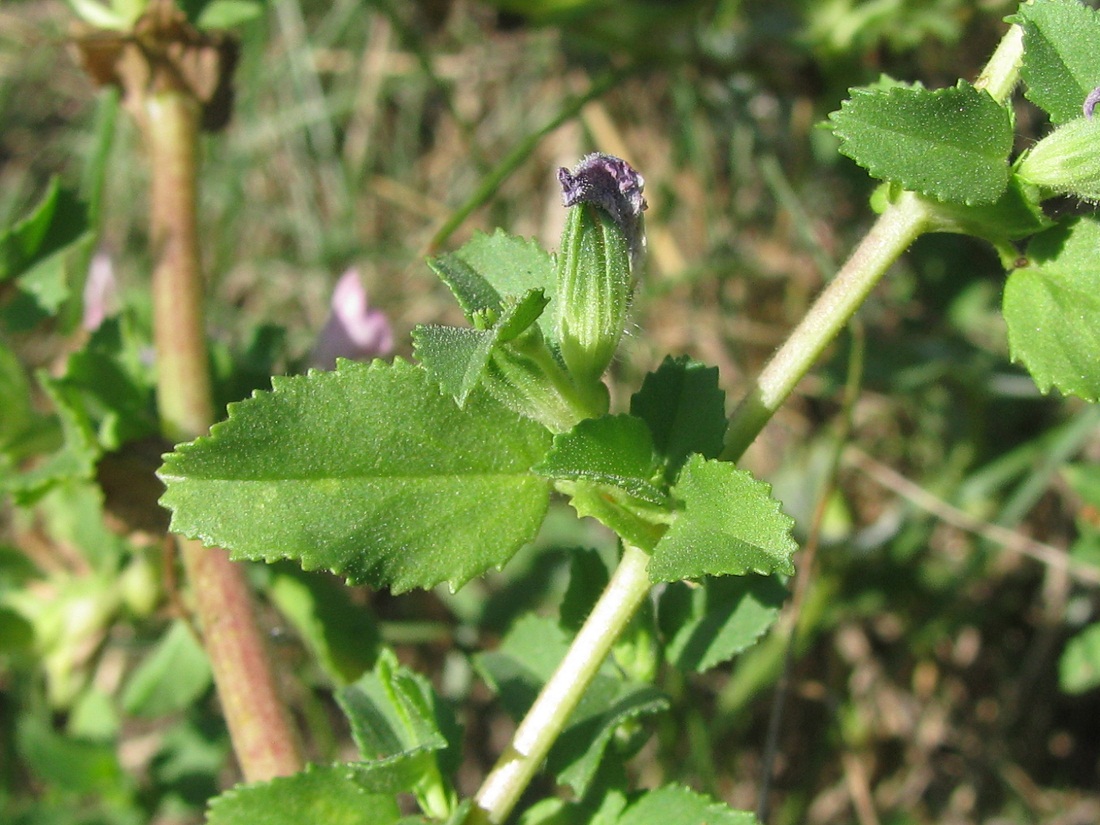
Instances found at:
x=544 y=722
x=259 y=723
x=891 y=235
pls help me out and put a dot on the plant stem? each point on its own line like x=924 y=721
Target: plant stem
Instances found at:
x=891 y=235
x=259 y=724
x=544 y=722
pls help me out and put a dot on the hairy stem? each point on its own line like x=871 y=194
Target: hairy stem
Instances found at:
x=547 y=717
x=891 y=235
x=263 y=736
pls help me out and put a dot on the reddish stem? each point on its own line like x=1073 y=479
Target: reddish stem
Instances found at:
x=260 y=726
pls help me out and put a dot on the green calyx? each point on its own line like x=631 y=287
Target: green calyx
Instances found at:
x=595 y=286
x=1067 y=161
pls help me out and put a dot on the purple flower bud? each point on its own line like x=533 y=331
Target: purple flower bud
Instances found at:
x=1091 y=101
x=353 y=329
x=100 y=292
x=607 y=181
x=616 y=187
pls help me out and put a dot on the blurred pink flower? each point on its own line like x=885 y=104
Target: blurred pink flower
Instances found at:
x=100 y=291
x=353 y=329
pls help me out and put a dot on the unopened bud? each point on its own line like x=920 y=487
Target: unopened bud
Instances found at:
x=601 y=252
x=1067 y=161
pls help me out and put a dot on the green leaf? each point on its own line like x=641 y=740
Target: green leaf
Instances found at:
x=121 y=402
x=1017 y=214
x=393 y=710
x=1060 y=67
x=23 y=430
x=949 y=144
x=1079 y=667
x=172 y=678
x=1052 y=310
x=489 y=268
x=632 y=519
x=78 y=766
x=57 y=221
x=709 y=624
x=326 y=794
x=458 y=358
x=613 y=451
x=726 y=523
x=74 y=460
x=685 y=410
x=522 y=665
x=406 y=734
x=455 y=358
x=366 y=471
x=677 y=805
x=341 y=634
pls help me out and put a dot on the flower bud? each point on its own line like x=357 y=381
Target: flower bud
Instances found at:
x=1067 y=161
x=601 y=252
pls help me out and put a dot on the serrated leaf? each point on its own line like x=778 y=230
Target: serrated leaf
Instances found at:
x=1079 y=667
x=677 y=805
x=632 y=519
x=489 y=268
x=1060 y=67
x=367 y=471
x=407 y=736
x=522 y=665
x=714 y=621
x=685 y=410
x=613 y=451
x=458 y=358
x=326 y=793
x=172 y=678
x=726 y=523
x=1052 y=310
x=342 y=635
x=393 y=710
x=949 y=144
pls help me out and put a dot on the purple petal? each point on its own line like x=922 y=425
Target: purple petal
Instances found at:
x=616 y=187
x=353 y=330
x=1091 y=101
x=610 y=183
x=100 y=292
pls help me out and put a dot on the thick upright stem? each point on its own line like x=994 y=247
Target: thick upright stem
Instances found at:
x=259 y=723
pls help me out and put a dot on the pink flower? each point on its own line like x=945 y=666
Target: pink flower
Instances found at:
x=353 y=329
x=100 y=291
